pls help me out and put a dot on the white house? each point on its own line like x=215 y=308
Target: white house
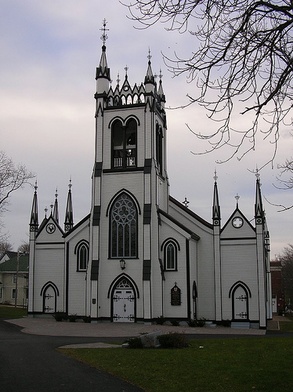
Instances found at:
x=140 y=254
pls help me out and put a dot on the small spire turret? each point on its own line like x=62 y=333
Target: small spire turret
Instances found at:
x=34 y=221
x=216 y=203
x=149 y=78
x=68 y=224
x=259 y=212
x=103 y=71
x=56 y=209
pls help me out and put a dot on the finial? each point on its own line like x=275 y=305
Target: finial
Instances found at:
x=160 y=74
x=70 y=185
x=36 y=186
x=126 y=69
x=118 y=79
x=185 y=202
x=56 y=194
x=149 y=55
x=215 y=176
x=237 y=197
x=51 y=206
x=104 y=36
x=257 y=175
x=46 y=210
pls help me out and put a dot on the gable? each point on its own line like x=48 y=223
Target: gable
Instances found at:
x=237 y=226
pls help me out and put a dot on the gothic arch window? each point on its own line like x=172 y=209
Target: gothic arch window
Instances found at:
x=82 y=253
x=123 y=228
x=124 y=144
x=170 y=255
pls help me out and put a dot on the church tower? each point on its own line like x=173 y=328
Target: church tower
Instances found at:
x=129 y=186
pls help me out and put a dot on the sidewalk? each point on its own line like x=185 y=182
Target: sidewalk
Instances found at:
x=50 y=327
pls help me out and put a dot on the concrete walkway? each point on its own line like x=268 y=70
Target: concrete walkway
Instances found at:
x=50 y=327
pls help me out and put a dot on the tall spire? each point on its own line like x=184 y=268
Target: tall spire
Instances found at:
x=160 y=89
x=34 y=222
x=103 y=71
x=56 y=209
x=149 y=77
x=68 y=224
x=259 y=212
x=216 y=204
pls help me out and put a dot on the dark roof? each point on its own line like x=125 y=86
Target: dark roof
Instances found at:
x=11 y=265
x=9 y=253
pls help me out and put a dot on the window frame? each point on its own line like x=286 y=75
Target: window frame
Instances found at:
x=123 y=233
x=124 y=157
x=83 y=247
x=170 y=243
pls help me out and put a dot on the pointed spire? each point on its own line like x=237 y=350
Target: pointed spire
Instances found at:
x=68 y=224
x=149 y=78
x=34 y=222
x=259 y=212
x=56 y=209
x=160 y=90
x=216 y=204
x=103 y=71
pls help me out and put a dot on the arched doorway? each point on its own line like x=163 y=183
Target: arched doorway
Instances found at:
x=123 y=302
x=49 y=293
x=240 y=296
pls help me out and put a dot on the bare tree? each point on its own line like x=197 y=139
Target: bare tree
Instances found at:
x=12 y=178
x=24 y=248
x=287 y=273
x=241 y=62
x=5 y=247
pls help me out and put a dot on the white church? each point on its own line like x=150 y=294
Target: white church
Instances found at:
x=140 y=254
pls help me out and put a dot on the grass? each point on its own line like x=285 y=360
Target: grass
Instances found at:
x=228 y=365
x=10 y=312
x=287 y=326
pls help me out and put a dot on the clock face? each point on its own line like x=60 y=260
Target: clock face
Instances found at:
x=237 y=222
x=50 y=228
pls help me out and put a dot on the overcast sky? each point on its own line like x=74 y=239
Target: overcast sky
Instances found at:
x=49 y=52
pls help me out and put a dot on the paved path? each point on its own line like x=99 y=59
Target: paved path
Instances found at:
x=50 y=327
x=31 y=363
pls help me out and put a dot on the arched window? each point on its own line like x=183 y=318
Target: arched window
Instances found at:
x=82 y=252
x=123 y=228
x=124 y=144
x=170 y=256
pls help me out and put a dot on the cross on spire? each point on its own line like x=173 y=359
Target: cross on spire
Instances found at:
x=104 y=36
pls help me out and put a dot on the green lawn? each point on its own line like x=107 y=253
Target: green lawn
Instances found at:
x=10 y=312
x=229 y=365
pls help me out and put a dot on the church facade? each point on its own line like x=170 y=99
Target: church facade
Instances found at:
x=140 y=254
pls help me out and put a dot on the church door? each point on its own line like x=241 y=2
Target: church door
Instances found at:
x=240 y=304
x=123 y=303
x=49 y=300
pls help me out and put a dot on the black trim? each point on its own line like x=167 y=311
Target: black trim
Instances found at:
x=95 y=270
x=67 y=278
x=96 y=215
x=147 y=209
x=98 y=169
x=147 y=166
x=146 y=275
x=189 y=315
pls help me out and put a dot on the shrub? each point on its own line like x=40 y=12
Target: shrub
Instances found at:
x=59 y=316
x=72 y=318
x=173 y=340
x=175 y=323
x=87 y=319
x=160 y=320
x=200 y=322
x=134 y=343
